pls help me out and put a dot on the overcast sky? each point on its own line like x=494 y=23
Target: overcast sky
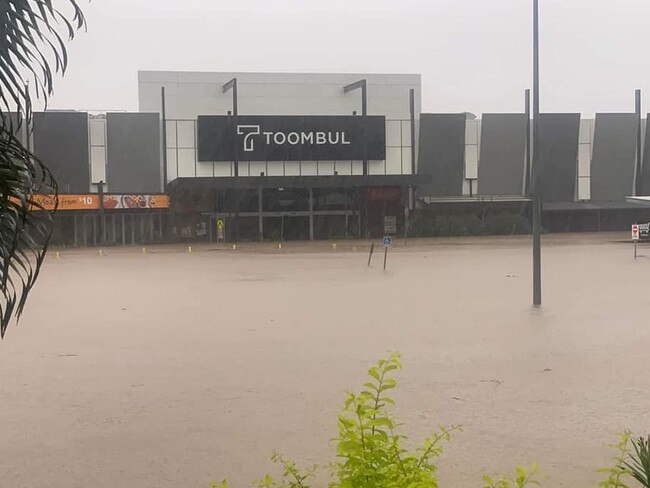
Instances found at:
x=474 y=55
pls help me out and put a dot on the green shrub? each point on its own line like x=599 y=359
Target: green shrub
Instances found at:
x=369 y=448
x=629 y=463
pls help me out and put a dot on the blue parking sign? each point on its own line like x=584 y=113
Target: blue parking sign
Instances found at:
x=388 y=241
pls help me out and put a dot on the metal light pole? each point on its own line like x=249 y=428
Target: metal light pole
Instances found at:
x=638 y=187
x=537 y=173
x=232 y=85
x=364 y=112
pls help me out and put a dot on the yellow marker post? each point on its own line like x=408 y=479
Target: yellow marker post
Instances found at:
x=189 y=249
x=58 y=255
x=144 y=250
x=101 y=253
x=334 y=246
x=280 y=246
x=234 y=247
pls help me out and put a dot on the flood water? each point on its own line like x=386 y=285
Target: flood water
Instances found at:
x=171 y=369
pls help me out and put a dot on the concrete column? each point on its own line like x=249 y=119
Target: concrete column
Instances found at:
x=123 y=231
x=260 y=216
x=76 y=232
x=311 y=214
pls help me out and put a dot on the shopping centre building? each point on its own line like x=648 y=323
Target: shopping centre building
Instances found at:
x=314 y=156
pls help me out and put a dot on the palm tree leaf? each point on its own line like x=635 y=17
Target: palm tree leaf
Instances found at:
x=32 y=48
x=639 y=461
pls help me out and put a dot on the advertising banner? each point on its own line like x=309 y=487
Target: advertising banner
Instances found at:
x=91 y=202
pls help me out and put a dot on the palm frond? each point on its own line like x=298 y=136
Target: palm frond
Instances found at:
x=638 y=464
x=32 y=48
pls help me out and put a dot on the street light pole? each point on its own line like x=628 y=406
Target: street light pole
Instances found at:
x=537 y=173
x=232 y=85
x=364 y=113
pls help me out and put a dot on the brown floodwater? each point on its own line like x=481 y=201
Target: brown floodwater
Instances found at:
x=170 y=369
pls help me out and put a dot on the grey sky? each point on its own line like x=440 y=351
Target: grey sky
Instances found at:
x=474 y=55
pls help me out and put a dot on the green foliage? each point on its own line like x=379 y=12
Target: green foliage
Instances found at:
x=638 y=461
x=629 y=462
x=369 y=448
x=471 y=222
x=292 y=477
x=617 y=472
x=523 y=477
x=31 y=46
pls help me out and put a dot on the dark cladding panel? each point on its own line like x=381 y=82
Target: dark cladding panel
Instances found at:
x=61 y=142
x=614 y=157
x=442 y=154
x=558 y=154
x=503 y=154
x=645 y=170
x=133 y=153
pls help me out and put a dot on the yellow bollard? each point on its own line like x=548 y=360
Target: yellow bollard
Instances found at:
x=58 y=255
x=189 y=249
x=280 y=246
x=354 y=248
x=334 y=246
x=234 y=247
x=101 y=253
x=144 y=250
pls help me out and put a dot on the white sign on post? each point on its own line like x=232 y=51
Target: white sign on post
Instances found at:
x=635 y=232
x=390 y=225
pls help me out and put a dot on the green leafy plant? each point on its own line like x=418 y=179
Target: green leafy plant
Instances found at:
x=630 y=463
x=369 y=448
x=292 y=477
x=523 y=477
x=637 y=461
x=617 y=473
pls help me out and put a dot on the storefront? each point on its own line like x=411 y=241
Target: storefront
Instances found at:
x=91 y=220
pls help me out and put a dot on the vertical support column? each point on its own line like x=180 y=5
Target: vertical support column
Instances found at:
x=151 y=228
x=164 y=138
x=76 y=232
x=123 y=231
x=85 y=230
x=94 y=217
x=132 y=229
x=114 y=240
x=260 y=213
x=412 y=110
x=311 y=214
x=528 y=145
x=102 y=214
x=141 y=228
x=638 y=190
x=364 y=113
x=347 y=217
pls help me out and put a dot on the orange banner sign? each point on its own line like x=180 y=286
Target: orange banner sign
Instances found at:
x=66 y=202
x=135 y=201
x=91 y=202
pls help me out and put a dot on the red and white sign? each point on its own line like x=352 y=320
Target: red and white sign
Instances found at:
x=635 y=232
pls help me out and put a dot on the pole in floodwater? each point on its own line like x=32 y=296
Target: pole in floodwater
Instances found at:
x=372 y=249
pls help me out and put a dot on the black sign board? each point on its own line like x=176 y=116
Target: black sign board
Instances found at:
x=291 y=138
